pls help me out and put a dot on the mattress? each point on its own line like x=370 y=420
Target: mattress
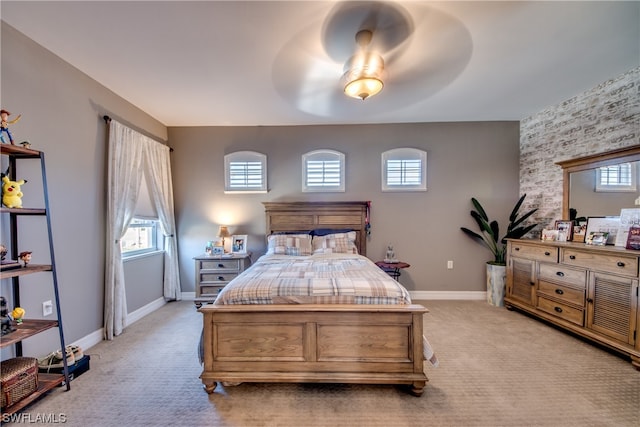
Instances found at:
x=329 y=278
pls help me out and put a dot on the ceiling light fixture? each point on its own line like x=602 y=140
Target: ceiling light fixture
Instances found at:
x=364 y=70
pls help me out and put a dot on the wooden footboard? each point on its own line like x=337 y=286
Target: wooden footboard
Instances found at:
x=365 y=344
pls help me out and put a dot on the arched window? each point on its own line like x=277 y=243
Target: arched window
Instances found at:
x=245 y=172
x=404 y=169
x=323 y=170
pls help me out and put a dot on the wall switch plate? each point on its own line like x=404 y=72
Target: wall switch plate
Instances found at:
x=47 y=308
x=449 y=265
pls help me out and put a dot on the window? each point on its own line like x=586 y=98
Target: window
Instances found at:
x=323 y=170
x=141 y=237
x=245 y=172
x=621 y=177
x=404 y=169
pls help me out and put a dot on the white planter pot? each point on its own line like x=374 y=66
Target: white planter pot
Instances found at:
x=496 y=284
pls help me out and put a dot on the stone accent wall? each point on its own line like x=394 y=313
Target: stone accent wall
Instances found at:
x=604 y=118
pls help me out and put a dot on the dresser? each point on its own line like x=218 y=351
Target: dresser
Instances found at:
x=214 y=272
x=589 y=290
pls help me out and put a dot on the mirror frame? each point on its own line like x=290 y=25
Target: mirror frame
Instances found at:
x=621 y=155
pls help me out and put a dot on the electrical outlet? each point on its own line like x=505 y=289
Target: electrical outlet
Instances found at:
x=47 y=308
x=449 y=265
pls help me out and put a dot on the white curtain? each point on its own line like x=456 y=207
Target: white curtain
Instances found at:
x=158 y=170
x=131 y=155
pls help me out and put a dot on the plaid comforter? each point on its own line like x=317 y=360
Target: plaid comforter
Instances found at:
x=314 y=279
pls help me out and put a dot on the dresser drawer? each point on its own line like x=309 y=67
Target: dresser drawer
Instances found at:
x=562 y=293
x=220 y=264
x=217 y=277
x=610 y=263
x=562 y=274
x=562 y=311
x=539 y=253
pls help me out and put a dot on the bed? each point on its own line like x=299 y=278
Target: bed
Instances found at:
x=369 y=334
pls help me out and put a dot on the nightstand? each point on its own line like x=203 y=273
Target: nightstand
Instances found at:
x=392 y=268
x=214 y=272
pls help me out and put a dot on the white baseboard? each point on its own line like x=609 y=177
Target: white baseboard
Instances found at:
x=448 y=295
x=95 y=337
x=143 y=311
x=188 y=296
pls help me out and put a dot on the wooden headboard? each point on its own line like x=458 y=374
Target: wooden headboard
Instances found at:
x=306 y=216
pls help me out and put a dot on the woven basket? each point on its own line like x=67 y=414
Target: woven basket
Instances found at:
x=19 y=379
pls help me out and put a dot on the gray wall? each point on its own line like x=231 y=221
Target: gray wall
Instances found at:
x=62 y=113
x=464 y=160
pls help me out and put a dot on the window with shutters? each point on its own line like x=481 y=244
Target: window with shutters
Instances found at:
x=404 y=169
x=323 y=170
x=621 y=177
x=245 y=172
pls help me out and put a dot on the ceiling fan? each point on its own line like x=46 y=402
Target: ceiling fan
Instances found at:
x=412 y=50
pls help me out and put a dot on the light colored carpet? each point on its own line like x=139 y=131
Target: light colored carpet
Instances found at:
x=497 y=368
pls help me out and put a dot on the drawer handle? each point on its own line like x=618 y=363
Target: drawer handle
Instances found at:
x=559 y=291
x=572 y=257
x=517 y=249
x=560 y=273
x=220 y=265
x=532 y=283
x=620 y=264
x=558 y=309
x=221 y=278
x=589 y=300
x=547 y=253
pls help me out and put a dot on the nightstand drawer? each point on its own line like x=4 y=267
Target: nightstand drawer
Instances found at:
x=539 y=253
x=563 y=274
x=220 y=264
x=563 y=311
x=216 y=277
x=210 y=290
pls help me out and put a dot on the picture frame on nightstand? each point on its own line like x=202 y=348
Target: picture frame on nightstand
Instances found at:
x=239 y=244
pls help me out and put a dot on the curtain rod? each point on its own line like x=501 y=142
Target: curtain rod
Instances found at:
x=107 y=120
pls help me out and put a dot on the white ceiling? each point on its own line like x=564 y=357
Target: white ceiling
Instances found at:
x=279 y=63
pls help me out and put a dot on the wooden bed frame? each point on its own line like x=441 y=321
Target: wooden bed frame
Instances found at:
x=314 y=343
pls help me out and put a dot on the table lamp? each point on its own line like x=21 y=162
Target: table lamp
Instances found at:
x=223 y=232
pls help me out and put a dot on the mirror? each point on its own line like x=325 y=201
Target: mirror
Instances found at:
x=589 y=201
x=579 y=178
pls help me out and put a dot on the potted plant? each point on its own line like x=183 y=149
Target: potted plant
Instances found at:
x=489 y=235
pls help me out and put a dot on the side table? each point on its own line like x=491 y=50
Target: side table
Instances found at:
x=213 y=272
x=392 y=268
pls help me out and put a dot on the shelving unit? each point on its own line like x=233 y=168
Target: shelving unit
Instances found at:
x=31 y=327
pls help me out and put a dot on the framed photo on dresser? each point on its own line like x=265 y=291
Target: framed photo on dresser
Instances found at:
x=608 y=224
x=565 y=230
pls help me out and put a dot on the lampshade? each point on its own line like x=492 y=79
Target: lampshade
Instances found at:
x=223 y=232
x=363 y=76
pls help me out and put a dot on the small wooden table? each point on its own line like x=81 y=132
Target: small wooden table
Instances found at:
x=392 y=268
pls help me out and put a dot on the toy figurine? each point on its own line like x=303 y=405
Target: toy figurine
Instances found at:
x=4 y=125
x=5 y=320
x=25 y=257
x=17 y=314
x=11 y=194
x=391 y=255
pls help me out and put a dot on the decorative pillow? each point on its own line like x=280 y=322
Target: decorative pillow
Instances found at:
x=289 y=244
x=338 y=243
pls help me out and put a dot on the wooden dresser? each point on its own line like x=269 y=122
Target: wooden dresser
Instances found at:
x=589 y=290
